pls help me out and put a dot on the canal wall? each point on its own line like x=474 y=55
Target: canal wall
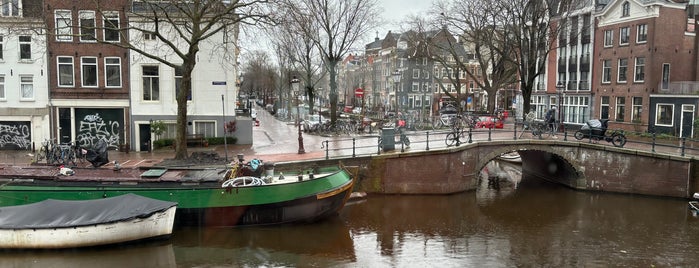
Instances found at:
x=582 y=166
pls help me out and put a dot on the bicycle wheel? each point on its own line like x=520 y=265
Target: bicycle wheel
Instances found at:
x=450 y=139
x=618 y=140
x=545 y=132
x=40 y=156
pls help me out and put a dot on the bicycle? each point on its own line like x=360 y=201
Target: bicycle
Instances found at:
x=454 y=137
x=538 y=128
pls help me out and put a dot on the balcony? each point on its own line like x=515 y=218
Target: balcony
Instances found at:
x=679 y=88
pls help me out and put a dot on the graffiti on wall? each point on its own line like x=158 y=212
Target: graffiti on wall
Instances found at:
x=15 y=135
x=93 y=127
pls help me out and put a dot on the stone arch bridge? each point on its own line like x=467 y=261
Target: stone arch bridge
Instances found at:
x=579 y=165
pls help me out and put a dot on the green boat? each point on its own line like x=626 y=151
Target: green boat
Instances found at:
x=205 y=197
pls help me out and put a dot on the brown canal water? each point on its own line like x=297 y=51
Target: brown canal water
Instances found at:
x=521 y=221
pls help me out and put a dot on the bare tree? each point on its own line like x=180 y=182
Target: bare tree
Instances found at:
x=259 y=75
x=182 y=26
x=301 y=51
x=334 y=27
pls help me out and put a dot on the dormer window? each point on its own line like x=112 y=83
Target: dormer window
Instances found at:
x=625 y=8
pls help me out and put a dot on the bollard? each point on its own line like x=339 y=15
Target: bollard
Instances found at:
x=490 y=132
x=427 y=146
x=470 y=137
x=354 y=143
x=515 y=137
x=327 y=152
x=684 y=140
x=653 y=143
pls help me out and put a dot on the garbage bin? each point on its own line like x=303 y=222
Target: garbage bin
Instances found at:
x=388 y=142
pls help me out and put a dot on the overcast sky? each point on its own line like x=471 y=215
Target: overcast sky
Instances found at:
x=394 y=11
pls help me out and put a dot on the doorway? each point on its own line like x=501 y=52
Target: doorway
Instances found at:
x=144 y=137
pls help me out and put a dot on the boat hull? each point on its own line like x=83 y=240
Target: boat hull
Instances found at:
x=207 y=204
x=158 y=224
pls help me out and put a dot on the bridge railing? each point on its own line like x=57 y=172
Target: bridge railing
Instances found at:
x=365 y=145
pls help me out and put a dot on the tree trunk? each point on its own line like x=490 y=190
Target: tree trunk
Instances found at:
x=332 y=64
x=181 y=130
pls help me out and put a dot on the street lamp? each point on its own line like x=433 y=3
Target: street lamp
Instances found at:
x=396 y=75
x=559 y=89
x=225 y=140
x=295 y=88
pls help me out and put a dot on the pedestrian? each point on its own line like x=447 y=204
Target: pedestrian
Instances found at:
x=551 y=119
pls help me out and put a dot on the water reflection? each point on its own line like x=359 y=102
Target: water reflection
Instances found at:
x=523 y=221
x=147 y=254
x=322 y=244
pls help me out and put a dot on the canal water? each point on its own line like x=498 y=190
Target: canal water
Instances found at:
x=518 y=221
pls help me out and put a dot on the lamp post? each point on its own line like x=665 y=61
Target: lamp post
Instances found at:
x=559 y=89
x=225 y=140
x=295 y=87
x=396 y=75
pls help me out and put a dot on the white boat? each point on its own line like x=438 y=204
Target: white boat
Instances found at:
x=512 y=157
x=68 y=224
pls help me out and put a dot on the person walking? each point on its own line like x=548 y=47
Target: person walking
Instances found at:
x=551 y=120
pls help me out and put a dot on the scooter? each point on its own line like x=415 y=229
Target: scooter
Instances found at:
x=596 y=129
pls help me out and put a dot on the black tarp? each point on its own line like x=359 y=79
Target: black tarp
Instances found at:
x=52 y=213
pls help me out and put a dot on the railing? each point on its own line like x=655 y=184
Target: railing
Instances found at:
x=367 y=145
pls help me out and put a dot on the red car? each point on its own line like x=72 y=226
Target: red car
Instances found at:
x=489 y=122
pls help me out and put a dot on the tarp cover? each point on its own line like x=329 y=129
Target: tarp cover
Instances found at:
x=52 y=213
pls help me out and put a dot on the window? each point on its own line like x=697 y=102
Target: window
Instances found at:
x=608 y=38
x=642 y=33
x=65 y=72
x=151 y=83
x=665 y=83
x=577 y=109
x=111 y=26
x=149 y=36
x=26 y=83
x=208 y=129
x=10 y=8
x=178 y=83
x=25 y=47
x=112 y=72
x=64 y=25
x=87 y=25
x=620 y=108
x=639 y=69
x=604 y=107
x=2 y=86
x=625 y=8
x=623 y=65
x=624 y=36
x=1 y=46
x=415 y=87
x=664 y=114
x=607 y=71
x=88 y=71
x=636 y=109
x=416 y=73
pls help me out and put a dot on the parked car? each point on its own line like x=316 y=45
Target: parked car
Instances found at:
x=489 y=122
x=312 y=122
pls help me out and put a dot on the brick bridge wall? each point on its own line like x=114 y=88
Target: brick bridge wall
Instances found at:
x=582 y=166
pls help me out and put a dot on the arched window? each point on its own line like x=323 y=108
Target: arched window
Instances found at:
x=625 y=9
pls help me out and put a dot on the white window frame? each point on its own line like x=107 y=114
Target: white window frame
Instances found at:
x=416 y=73
x=94 y=65
x=636 y=108
x=605 y=68
x=64 y=33
x=624 y=36
x=87 y=34
x=72 y=70
x=10 y=8
x=30 y=83
x=150 y=78
x=107 y=66
x=619 y=72
x=642 y=31
x=604 y=102
x=657 y=114
x=620 y=107
x=111 y=16
x=639 y=67
x=22 y=45
x=3 y=96
x=608 y=38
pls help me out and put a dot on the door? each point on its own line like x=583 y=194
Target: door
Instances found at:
x=687 y=121
x=65 y=132
x=144 y=137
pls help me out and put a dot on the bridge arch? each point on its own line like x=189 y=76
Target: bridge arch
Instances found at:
x=543 y=160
